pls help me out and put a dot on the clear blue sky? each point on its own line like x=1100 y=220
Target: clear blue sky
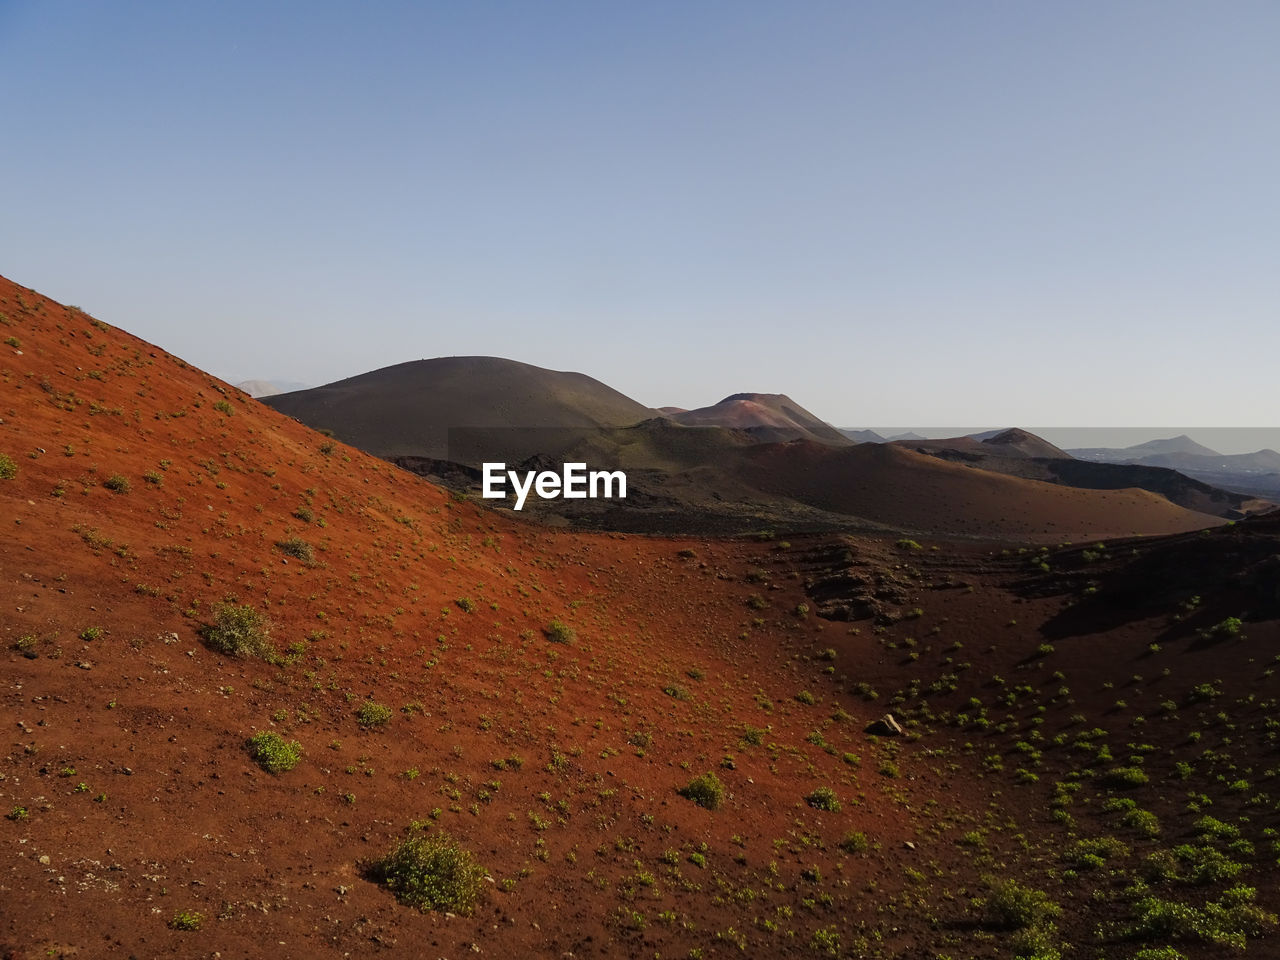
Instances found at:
x=1054 y=213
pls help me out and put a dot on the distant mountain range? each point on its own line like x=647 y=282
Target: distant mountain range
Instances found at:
x=1256 y=473
x=1019 y=453
x=751 y=459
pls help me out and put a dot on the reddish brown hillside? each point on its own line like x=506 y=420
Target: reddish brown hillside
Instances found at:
x=888 y=484
x=546 y=695
x=147 y=493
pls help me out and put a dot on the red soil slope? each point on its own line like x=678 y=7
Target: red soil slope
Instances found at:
x=891 y=485
x=147 y=492
x=108 y=685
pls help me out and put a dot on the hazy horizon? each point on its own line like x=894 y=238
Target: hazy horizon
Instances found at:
x=1224 y=440
x=1040 y=213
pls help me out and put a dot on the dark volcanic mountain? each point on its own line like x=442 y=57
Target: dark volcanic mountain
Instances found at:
x=862 y=436
x=1013 y=442
x=766 y=416
x=1140 y=451
x=495 y=407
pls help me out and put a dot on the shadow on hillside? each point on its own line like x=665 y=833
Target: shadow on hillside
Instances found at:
x=1195 y=580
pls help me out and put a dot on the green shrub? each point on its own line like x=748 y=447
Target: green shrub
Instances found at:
x=706 y=791
x=824 y=798
x=1144 y=821
x=186 y=920
x=117 y=483
x=373 y=714
x=1125 y=778
x=273 y=752
x=1093 y=853
x=826 y=940
x=805 y=697
x=1010 y=905
x=1229 y=627
x=1228 y=921
x=297 y=548
x=557 y=632
x=1035 y=943
x=431 y=872
x=1205 y=865
x=908 y=545
x=465 y=604
x=855 y=841
x=239 y=630
x=8 y=469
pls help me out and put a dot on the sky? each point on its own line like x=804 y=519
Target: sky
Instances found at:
x=929 y=211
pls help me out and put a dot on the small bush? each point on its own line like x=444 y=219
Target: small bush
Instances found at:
x=805 y=697
x=823 y=798
x=1012 y=906
x=431 y=872
x=1125 y=778
x=272 y=752
x=908 y=545
x=826 y=940
x=1143 y=821
x=855 y=841
x=297 y=548
x=1093 y=854
x=117 y=483
x=1036 y=943
x=557 y=632
x=1229 y=627
x=186 y=920
x=1228 y=921
x=373 y=714
x=465 y=604
x=8 y=469
x=239 y=630
x=706 y=791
